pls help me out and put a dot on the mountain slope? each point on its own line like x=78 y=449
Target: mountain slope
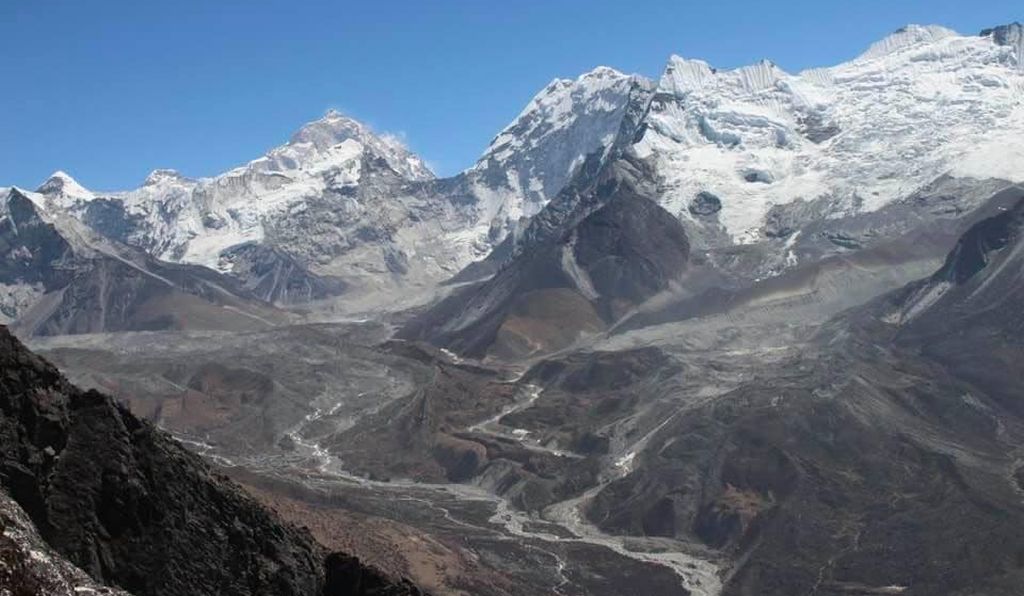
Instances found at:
x=341 y=210
x=967 y=316
x=133 y=508
x=576 y=283
x=881 y=453
x=59 y=277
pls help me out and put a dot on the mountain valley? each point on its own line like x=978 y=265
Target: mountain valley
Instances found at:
x=728 y=332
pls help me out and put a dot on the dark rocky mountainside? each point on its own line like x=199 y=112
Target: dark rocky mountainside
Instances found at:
x=134 y=509
x=618 y=250
x=884 y=454
x=30 y=566
x=276 y=277
x=979 y=287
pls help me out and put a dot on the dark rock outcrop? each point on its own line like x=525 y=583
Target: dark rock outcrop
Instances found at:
x=134 y=509
x=705 y=204
x=29 y=567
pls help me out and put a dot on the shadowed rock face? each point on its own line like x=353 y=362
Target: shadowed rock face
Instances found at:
x=31 y=567
x=134 y=509
x=630 y=250
x=978 y=246
x=969 y=316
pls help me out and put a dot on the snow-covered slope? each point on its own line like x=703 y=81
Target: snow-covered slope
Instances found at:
x=918 y=104
x=569 y=119
x=180 y=219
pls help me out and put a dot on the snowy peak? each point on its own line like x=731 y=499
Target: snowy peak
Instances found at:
x=762 y=75
x=568 y=120
x=323 y=143
x=164 y=176
x=179 y=219
x=906 y=37
x=62 y=185
x=559 y=103
x=682 y=75
x=330 y=130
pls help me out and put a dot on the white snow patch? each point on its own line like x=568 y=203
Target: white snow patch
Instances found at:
x=1002 y=157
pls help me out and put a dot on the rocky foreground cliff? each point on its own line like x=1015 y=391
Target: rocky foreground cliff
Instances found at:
x=91 y=486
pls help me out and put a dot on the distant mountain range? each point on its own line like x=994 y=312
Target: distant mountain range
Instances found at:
x=743 y=158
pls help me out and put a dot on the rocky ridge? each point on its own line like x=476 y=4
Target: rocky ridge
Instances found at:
x=132 y=508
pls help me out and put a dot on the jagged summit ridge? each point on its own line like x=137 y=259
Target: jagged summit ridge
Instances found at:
x=683 y=75
x=922 y=103
x=340 y=200
x=163 y=175
x=335 y=129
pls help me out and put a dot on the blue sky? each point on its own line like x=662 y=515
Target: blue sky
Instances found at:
x=109 y=90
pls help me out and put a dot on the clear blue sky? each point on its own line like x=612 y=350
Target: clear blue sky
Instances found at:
x=109 y=90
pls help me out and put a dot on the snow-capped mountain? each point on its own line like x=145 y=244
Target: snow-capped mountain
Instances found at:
x=746 y=305
x=919 y=104
x=64 y=190
x=732 y=153
x=769 y=171
x=180 y=219
x=347 y=208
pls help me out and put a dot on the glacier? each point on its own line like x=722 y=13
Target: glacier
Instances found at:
x=922 y=103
